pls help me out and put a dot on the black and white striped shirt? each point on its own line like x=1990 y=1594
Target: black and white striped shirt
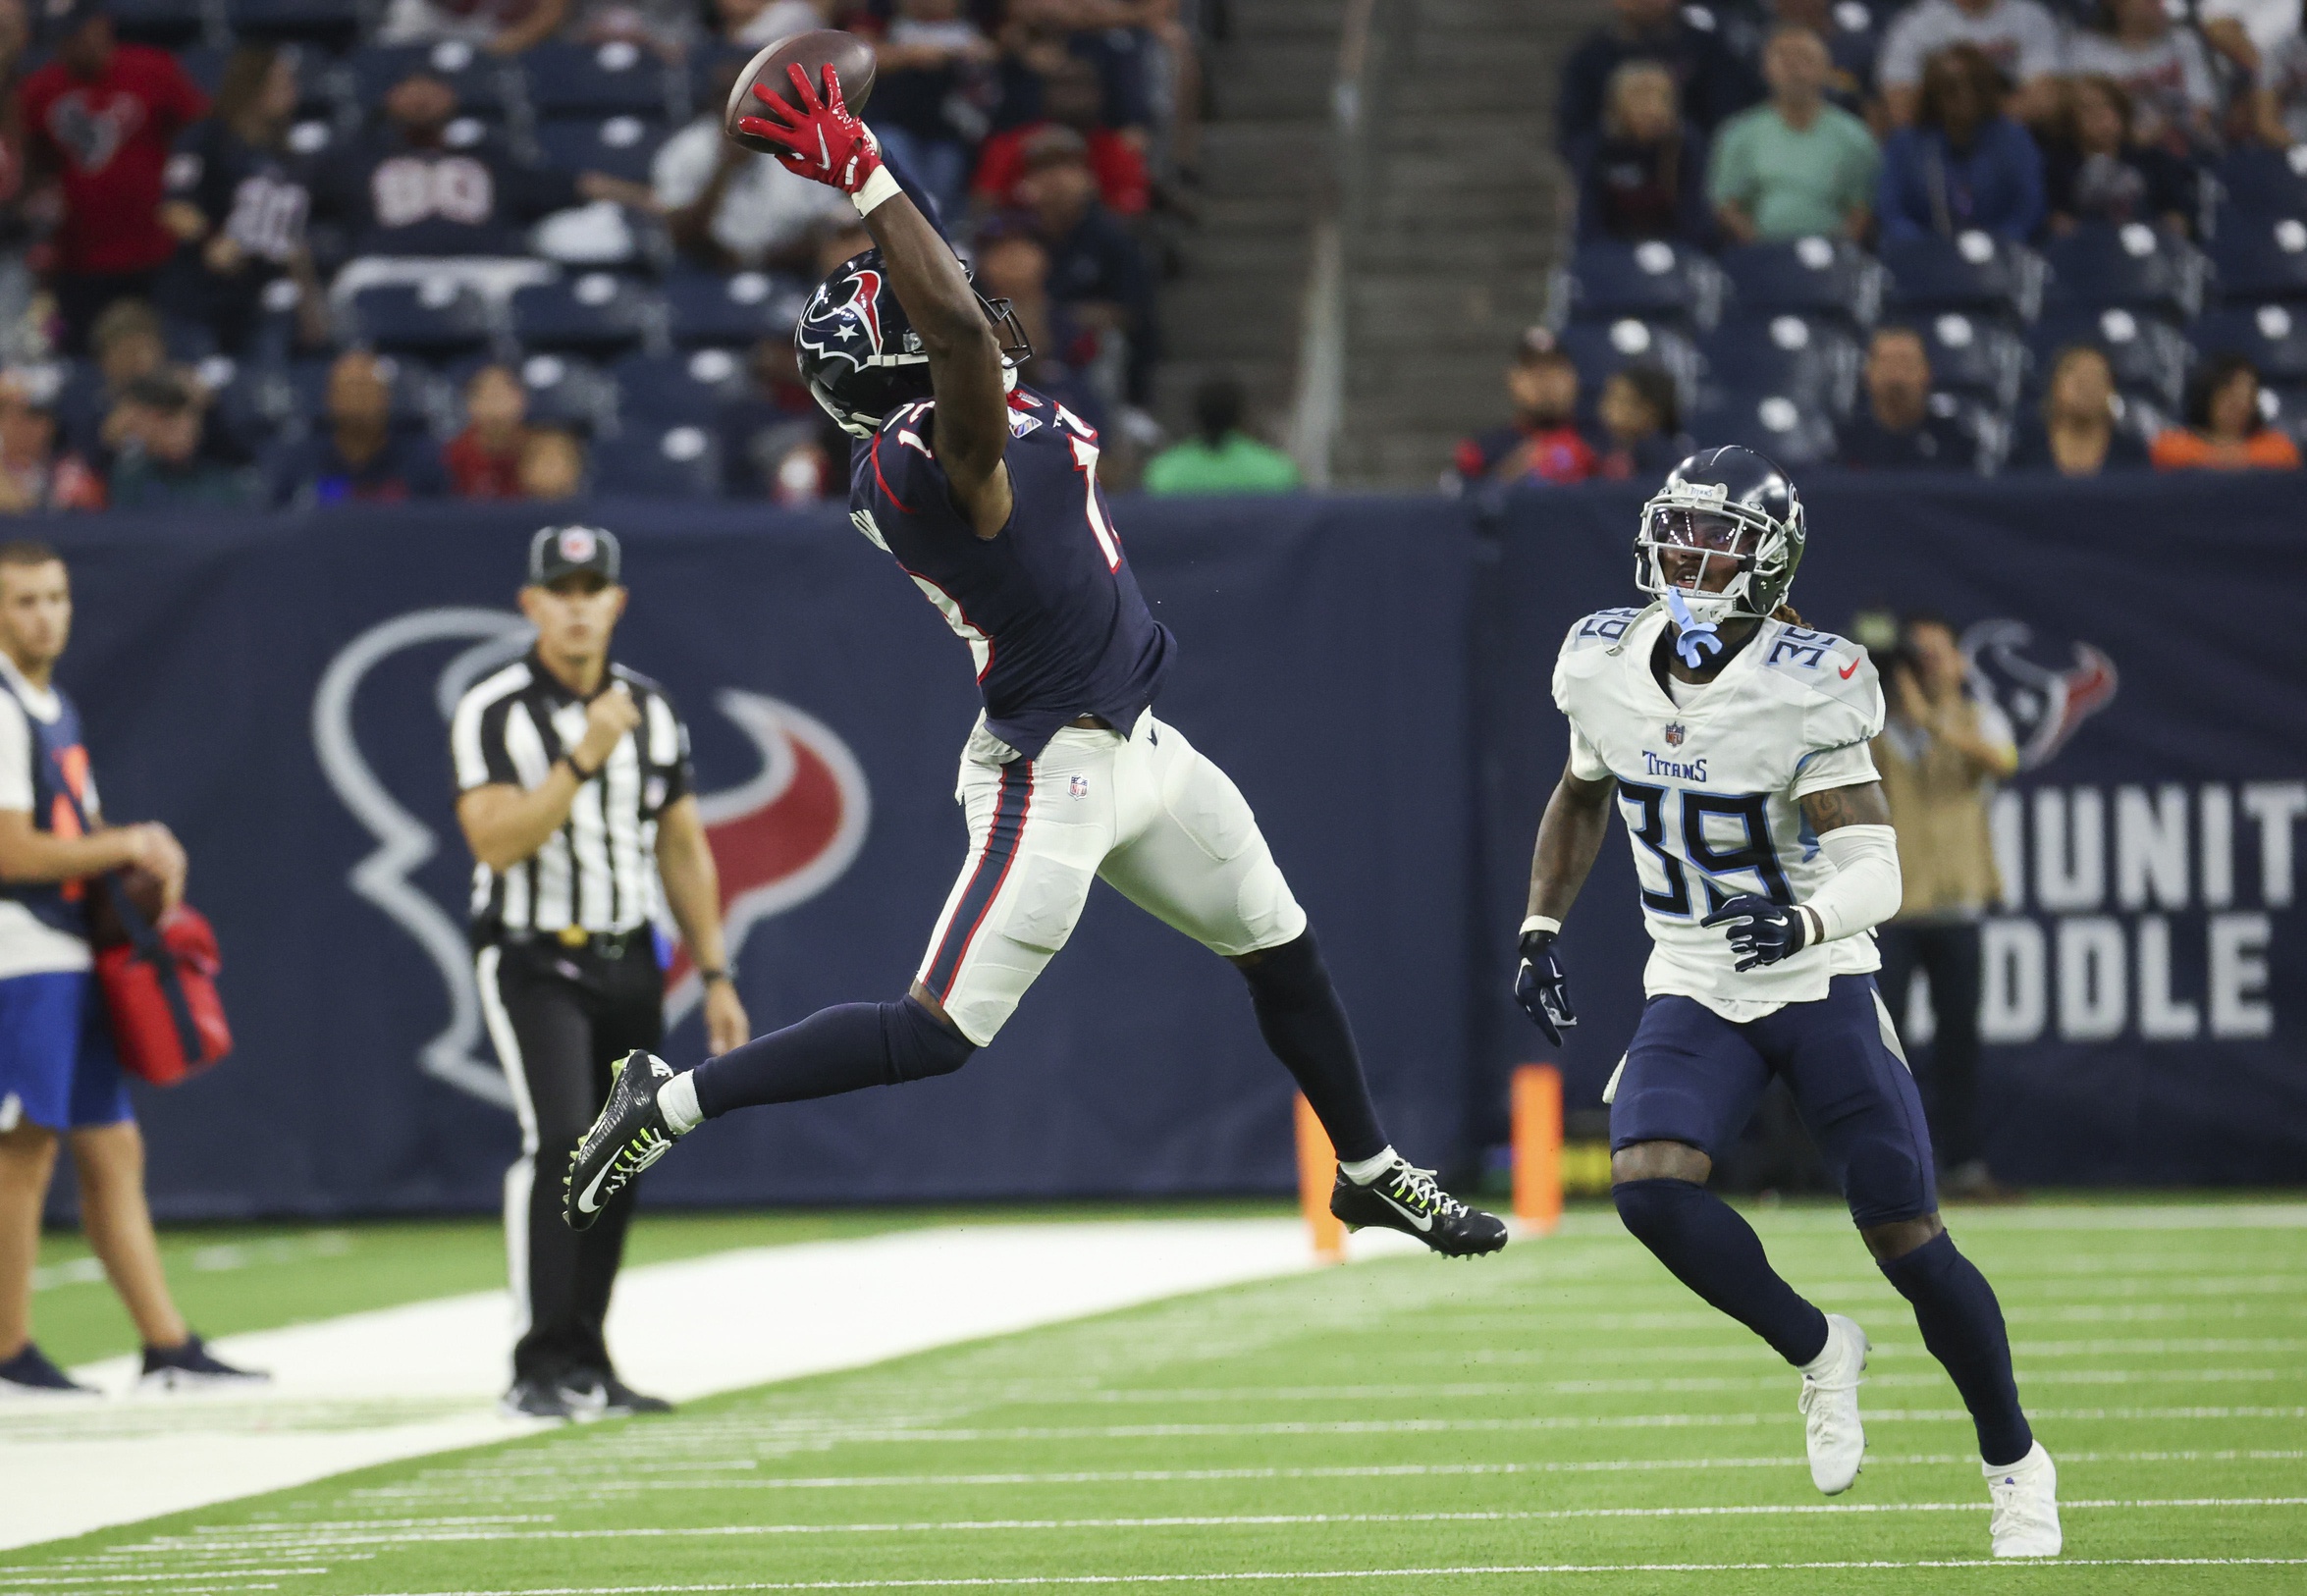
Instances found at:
x=599 y=872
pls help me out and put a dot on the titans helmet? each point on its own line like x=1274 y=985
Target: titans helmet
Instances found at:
x=862 y=359
x=1725 y=509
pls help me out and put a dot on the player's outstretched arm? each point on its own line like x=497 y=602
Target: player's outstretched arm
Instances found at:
x=825 y=142
x=1570 y=835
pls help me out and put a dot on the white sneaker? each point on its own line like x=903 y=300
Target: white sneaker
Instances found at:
x=1831 y=1431
x=2027 y=1505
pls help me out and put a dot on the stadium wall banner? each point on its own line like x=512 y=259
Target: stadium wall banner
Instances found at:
x=278 y=689
x=2145 y=1003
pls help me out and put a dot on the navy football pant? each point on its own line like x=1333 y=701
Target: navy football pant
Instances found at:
x=1692 y=1075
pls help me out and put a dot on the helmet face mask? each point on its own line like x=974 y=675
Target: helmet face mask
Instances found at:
x=1726 y=531
x=862 y=359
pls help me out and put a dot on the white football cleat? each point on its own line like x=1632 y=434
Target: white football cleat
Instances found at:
x=1831 y=1431
x=2027 y=1505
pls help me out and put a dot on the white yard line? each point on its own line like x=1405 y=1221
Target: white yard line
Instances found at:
x=403 y=1382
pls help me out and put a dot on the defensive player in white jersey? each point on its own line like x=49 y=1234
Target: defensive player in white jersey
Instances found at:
x=1734 y=741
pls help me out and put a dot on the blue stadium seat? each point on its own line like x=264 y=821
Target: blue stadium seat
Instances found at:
x=1974 y=271
x=2262 y=182
x=168 y=25
x=2286 y=407
x=2148 y=357
x=1599 y=348
x=1649 y=282
x=2100 y=266
x=1974 y=357
x=690 y=387
x=479 y=79
x=331 y=23
x=704 y=307
x=1986 y=425
x=620 y=145
x=596 y=80
x=1805 y=277
x=657 y=461
x=1813 y=362
x=434 y=319
x=568 y=393
x=596 y=313
x=705 y=63
x=2262 y=258
x=1777 y=425
x=2273 y=336
x=204 y=65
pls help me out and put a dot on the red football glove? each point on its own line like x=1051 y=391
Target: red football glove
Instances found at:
x=824 y=140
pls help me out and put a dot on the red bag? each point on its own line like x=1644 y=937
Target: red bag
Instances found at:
x=168 y=1022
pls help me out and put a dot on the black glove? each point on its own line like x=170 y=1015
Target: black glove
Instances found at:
x=1760 y=931
x=1543 y=986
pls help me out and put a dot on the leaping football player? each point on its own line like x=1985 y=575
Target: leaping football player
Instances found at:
x=986 y=494
x=1734 y=741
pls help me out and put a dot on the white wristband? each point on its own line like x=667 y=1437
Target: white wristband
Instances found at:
x=1543 y=923
x=878 y=188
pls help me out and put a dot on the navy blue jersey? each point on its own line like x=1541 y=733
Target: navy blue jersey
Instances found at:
x=1049 y=608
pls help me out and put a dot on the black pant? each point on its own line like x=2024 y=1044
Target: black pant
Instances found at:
x=1949 y=1073
x=559 y=1017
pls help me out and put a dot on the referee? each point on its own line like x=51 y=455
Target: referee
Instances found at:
x=574 y=785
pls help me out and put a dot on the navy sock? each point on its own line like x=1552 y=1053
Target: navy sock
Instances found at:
x=835 y=1050
x=1962 y=1327
x=1718 y=1255
x=1302 y=1019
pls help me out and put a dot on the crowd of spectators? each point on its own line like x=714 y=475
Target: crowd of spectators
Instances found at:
x=501 y=251
x=2010 y=129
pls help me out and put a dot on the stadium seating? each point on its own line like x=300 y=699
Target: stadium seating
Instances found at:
x=2273 y=337
x=1973 y=270
x=1816 y=364
x=1778 y=425
x=1807 y=277
x=1972 y=356
x=167 y=23
x=2262 y=182
x=702 y=307
x=2134 y=267
x=565 y=392
x=434 y=318
x=680 y=461
x=619 y=78
x=329 y=23
x=1598 y=349
x=687 y=386
x=623 y=147
x=2148 y=357
x=2262 y=258
x=596 y=313
x=480 y=80
x=1649 y=282
x=419 y=397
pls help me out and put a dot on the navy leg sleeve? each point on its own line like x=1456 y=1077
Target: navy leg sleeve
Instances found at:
x=1718 y=1255
x=1962 y=1327
x=1302 y=1019
x=835 y=1050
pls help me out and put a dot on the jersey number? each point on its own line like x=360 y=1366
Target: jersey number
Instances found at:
x=1646 y=822
x=1085 y=461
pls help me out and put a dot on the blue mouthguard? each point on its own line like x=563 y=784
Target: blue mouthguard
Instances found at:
x=1697 y=637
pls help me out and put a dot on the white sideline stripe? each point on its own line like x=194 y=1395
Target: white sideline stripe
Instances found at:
x=287 y=1541
x=1462 y=1571
x=720 y=1322
x=573 y=1484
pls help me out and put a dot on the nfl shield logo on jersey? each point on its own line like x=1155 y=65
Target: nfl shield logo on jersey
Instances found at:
x=1675 y=734
x=1079 y=786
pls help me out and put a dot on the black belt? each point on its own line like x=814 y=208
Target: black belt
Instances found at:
x=575 y=938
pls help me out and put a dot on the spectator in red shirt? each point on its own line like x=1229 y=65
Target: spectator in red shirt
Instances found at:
x=484 y=459
x=1543 y=444
x=103 y=117
x=1072 y=96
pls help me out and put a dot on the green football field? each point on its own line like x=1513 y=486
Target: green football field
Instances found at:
x=1561 y=1418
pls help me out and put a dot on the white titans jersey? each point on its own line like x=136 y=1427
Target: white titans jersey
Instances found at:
x=1709 y=789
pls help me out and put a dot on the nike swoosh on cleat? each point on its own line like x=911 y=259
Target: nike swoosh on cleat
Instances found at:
x=587 y=1201
x=1424 y=1221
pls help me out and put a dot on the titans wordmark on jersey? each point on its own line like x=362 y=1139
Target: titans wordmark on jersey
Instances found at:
x=1710 y=789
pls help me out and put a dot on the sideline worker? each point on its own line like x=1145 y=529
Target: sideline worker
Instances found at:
x=1939 y=753
x=574 y=794
x=59 y=1076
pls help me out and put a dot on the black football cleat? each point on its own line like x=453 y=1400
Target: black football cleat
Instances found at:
x=192 y=1367
x=1407 y=1199
x=629 y=1136
x=618 y=1399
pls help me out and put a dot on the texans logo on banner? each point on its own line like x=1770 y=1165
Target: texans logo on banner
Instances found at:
x=94 y=134
x=778 y=838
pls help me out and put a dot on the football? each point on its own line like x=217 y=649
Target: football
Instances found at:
x=852 y=63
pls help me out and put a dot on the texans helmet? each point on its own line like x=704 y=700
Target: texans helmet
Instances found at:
x=862 y=359
x=1726 y=504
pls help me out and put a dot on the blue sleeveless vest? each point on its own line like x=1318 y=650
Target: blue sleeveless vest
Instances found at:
x=57 y=755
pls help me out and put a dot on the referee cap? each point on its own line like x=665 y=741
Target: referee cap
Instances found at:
x=564 y=551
